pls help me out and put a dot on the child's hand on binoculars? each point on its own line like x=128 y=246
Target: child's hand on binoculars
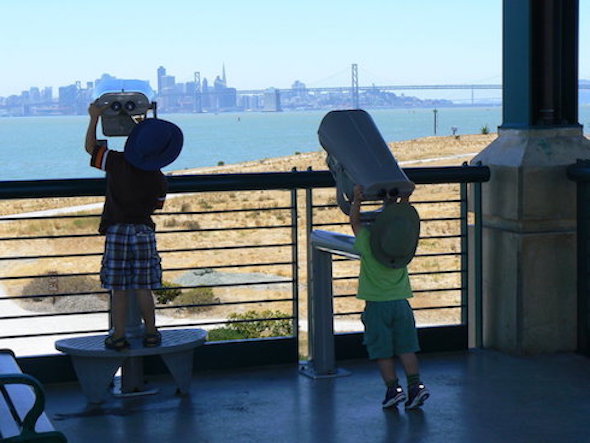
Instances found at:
x=358 y=193
x=95 y=110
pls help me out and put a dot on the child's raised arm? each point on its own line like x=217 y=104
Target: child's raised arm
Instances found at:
x=94 y=111
x=355 y=209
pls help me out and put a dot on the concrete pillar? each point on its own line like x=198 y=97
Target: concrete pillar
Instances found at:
x=529 y=240
x=529 y=205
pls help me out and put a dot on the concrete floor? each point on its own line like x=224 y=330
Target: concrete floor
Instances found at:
x=477 y=396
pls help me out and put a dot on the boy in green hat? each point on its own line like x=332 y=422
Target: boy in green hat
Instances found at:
x=386 y=248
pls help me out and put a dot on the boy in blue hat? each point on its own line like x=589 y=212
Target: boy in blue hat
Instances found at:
x=386 y=248
x=135 y=189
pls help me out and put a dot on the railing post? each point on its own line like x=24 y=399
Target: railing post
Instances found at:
x=478 y=264
x=295 y=265
x=308 y=250
x=464 y=254
x=308 y=228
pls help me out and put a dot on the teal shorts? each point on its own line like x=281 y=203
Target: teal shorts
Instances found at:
x=390 y=329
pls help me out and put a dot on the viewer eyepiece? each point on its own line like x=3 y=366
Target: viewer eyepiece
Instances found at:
x=128 y=103
x=130 y=106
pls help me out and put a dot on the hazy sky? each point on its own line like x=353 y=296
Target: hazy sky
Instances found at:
x=262 y=43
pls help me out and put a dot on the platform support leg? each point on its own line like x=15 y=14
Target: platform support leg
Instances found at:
x=180 y=365
x=95 y=375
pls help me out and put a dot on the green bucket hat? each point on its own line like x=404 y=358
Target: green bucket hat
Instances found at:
x=395 y=234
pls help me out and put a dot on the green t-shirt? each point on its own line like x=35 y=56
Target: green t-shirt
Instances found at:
x=378 y=282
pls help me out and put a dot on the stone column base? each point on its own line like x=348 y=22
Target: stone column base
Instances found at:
x=529 y=240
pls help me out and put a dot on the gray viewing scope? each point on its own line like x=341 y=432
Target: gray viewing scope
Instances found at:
x=127 y=102
x=357 y=154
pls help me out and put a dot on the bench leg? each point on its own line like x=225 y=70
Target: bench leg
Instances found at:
x=95 y=375
x=180 y=365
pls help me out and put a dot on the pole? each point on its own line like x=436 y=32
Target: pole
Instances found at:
x=435 y=111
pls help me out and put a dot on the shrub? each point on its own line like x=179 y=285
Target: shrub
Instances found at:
x=192 y=224
x=261 y=328
x=85 y=223
x=205 y=204
x=167 y=293
x=485 y=129
x=196 y=296
x=170 y=223
x=53 y=285
x=52 y=282
x=220 y=334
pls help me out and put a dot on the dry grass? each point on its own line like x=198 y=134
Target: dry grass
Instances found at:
x=412 y=150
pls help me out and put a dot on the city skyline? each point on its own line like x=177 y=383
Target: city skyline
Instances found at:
x=200 y=95
x=218 y=95
x=210 y=80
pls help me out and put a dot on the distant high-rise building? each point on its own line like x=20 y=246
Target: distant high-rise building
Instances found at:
x=67 y=98
x=190 y=88
x=34 y=94
x=272 y=100
x=218 y=84
x=205 y=94
x=169 y=93
x=167 y=82
x=299 y=88
x=249 y=102
x=298 y=85
x=161 y=73
x=224 y=98
x=47 y=94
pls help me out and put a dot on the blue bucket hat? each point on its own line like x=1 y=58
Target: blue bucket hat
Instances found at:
x=153 y=144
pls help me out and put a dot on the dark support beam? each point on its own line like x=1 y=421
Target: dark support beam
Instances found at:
x=540 y=45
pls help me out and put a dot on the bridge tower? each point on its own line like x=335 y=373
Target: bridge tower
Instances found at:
x=354 y=90
x=198 y=105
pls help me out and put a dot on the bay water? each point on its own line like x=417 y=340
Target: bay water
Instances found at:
x=35 y=148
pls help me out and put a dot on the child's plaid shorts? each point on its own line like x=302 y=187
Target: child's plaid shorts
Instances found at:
x=131 y=259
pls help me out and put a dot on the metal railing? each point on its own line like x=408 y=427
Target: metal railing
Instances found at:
x=242 y=229
x=440 y=269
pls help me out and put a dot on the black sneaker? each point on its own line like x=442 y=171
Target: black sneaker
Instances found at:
x=393 y=396
x=417 y=396
x=152 y=340
x=116 y=344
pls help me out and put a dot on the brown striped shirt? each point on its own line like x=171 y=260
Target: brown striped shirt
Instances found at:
x=132 y=194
